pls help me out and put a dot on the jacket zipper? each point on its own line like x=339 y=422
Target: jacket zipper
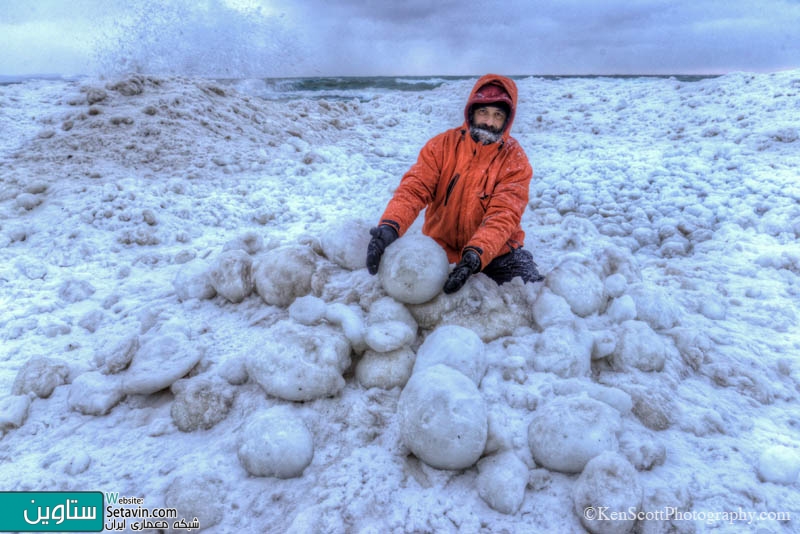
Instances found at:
x=450 y=187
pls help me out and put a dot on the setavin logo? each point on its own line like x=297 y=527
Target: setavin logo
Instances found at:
x=51 y=511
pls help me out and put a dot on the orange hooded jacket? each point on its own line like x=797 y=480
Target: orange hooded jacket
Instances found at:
x=475 y=193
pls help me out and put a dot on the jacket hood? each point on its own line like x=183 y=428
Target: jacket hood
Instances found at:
x=486 y=91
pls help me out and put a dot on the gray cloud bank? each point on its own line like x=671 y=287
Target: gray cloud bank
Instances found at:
x=349 y=37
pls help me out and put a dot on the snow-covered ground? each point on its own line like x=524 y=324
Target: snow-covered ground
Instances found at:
x=662 y=348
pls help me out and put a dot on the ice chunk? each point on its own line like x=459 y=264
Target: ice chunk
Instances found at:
x=119 y=356
x=351 y=320
x=388 y=309
x=550 y=309
x=579 y=285
x=569 y=431
x=655 y=306
x=249 y=242
x=385 y=370
x=193 y=281
x=159 y=362
x=299 y=363
x=388 y=336
x=456 y=347
x=413 y=269
x=40 y=375
x=94 y=393
x=615 y=285
x=231 y=275
x=779 y=464
x=622 y=309
x=502 y=479
x=283 y=274
x=74 y=290
x=489 y=310
x=565 y=350
x=13 y=411
x=608 y=496
x=640 y=347
x=197 y=496
x=605 y=342
x=308 y=310
x=641 y=449
x=443 y=418
x=200 y=402
x=275 y=443
x=345 y=243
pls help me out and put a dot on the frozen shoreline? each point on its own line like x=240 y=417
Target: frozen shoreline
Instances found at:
x=688 y=190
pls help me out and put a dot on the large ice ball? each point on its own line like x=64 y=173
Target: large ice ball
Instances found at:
x=276 y=443
x=456 y=347
x=443 y=418
x=413 y=269
x=569 y=431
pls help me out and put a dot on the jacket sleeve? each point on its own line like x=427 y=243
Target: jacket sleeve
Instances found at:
x=417 y=188
x=507 y=203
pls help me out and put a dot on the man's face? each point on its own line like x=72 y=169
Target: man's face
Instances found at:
x=487 y=124
x=492 y=118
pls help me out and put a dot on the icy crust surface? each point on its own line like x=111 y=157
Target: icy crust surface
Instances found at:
x=137 y=347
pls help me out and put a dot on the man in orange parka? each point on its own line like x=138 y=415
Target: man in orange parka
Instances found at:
x=474 y=182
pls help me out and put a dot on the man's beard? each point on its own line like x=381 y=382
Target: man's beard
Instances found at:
x=485 y=134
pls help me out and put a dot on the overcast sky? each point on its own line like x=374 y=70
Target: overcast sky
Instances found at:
x=409 y=37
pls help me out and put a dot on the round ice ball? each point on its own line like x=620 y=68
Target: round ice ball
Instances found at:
x=779 y=464
x=443 y=418
x=608 y=496
x=580 y=286
x=276 y=444
x=569 y=431
x=413 y=269
x=345 y=242
x=456 y=347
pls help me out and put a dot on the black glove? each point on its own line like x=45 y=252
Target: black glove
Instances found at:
x=470 y=264
x=382 y=237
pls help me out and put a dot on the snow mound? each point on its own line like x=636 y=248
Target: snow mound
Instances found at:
x=299 y=363
x=283 y=274
x=40 y=375
x=607 y=495
x=579 y=285
x=385 y=370
x=413 y=269
x=346 y=244
x=95 y=393
x=457 y=347
x=779 y=465
x=200 y=403
x=231 y=275
x=276 y=443
x=159 y=362
x=443 y=418
x=640 y=347
x=502 y=479
x=569 y=431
